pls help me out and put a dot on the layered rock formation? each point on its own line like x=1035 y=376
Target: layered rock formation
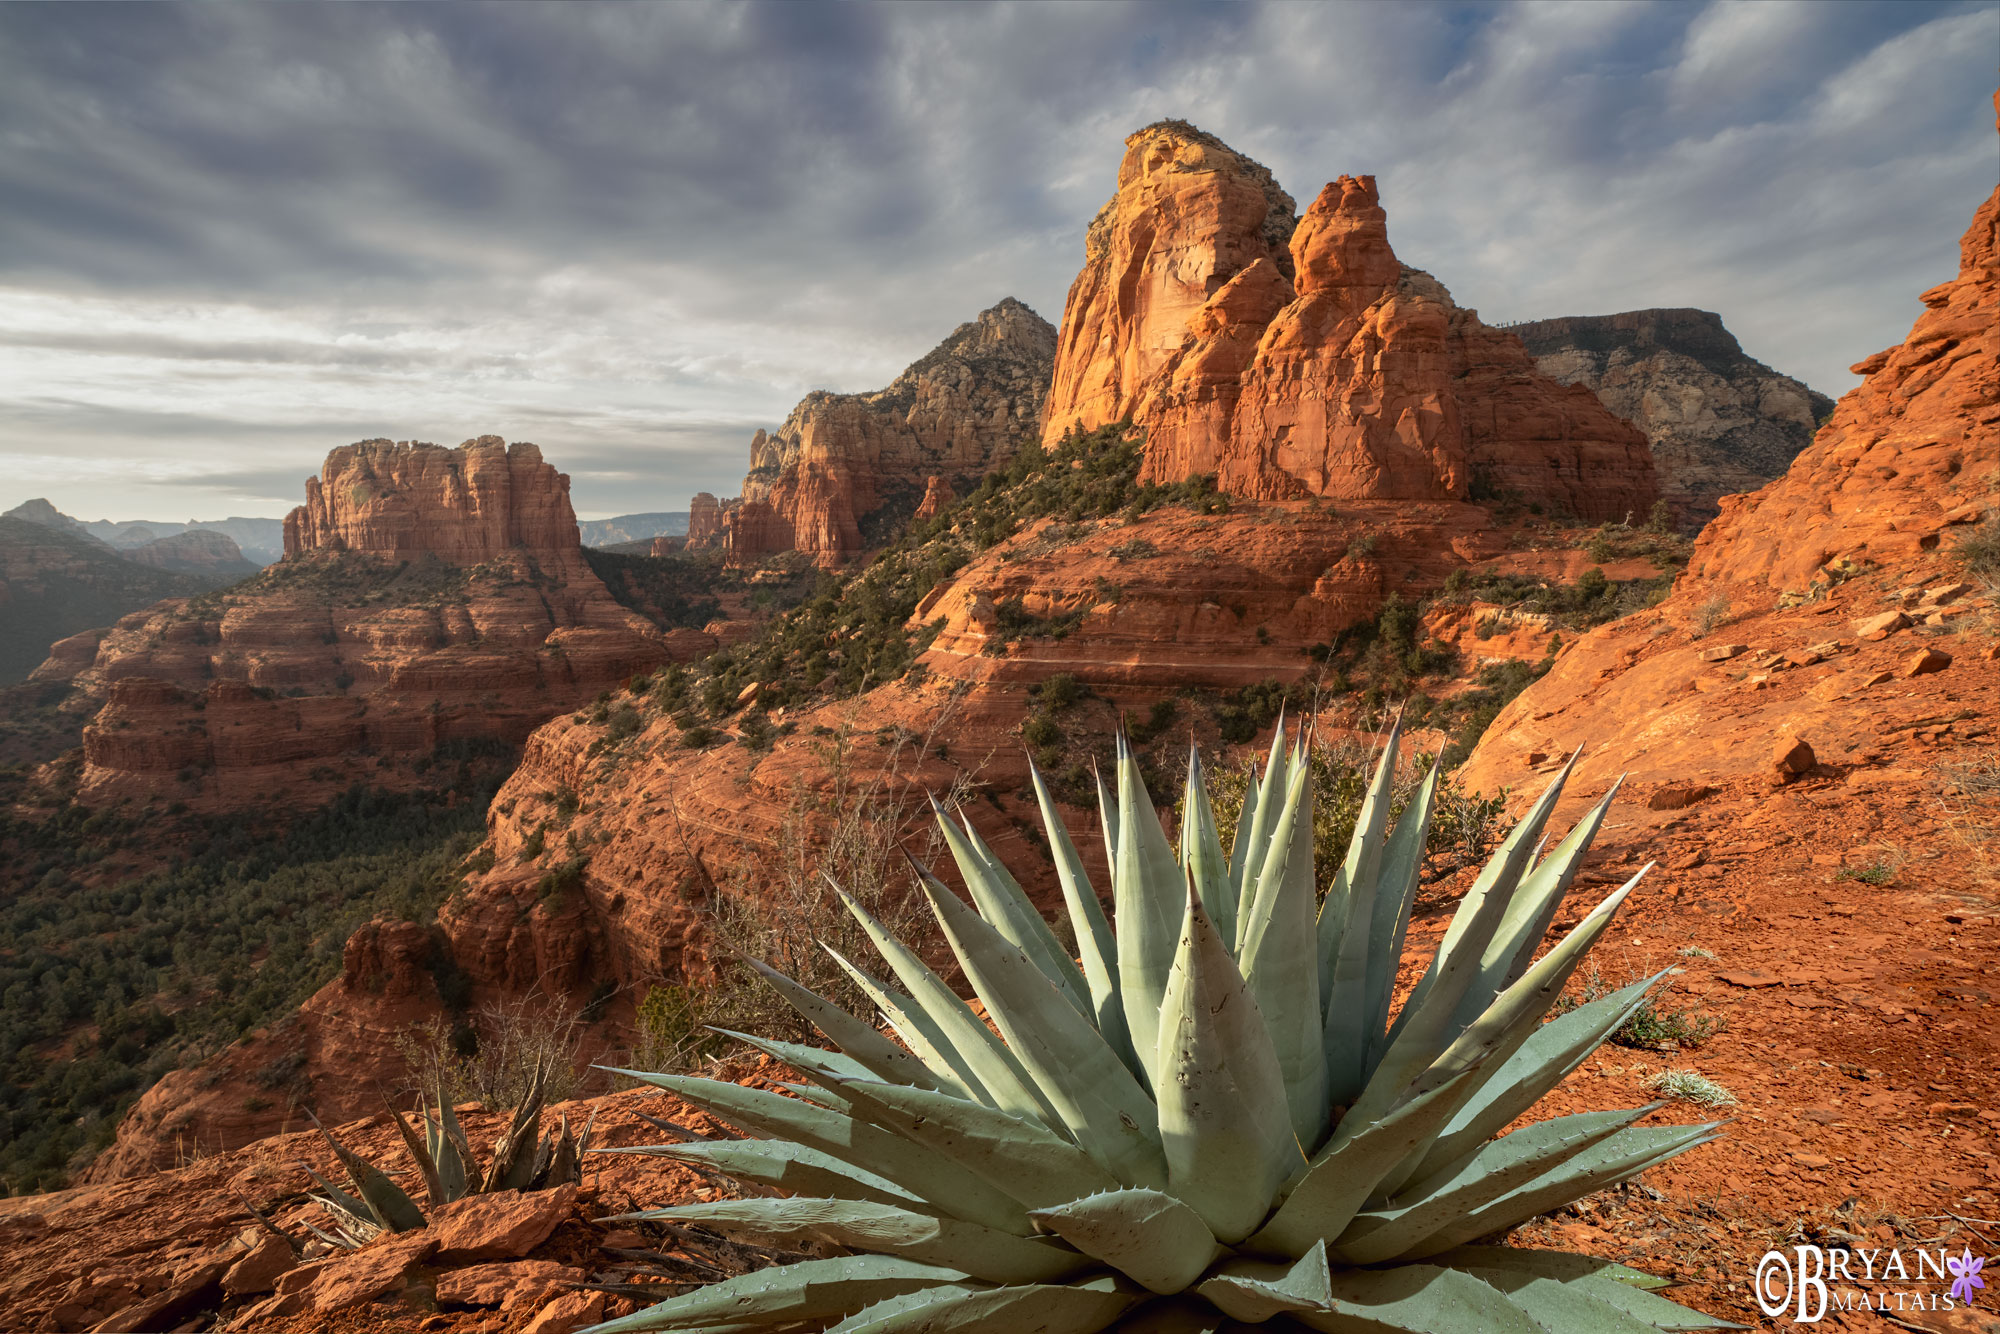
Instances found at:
x=844 y=469
x=1719 y=421
x=704 y=521
x=431 y=595
x=938 y=496
x=1308 y=360
x=1830 y=607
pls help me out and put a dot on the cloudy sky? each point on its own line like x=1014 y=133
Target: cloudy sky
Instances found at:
x=234 y=236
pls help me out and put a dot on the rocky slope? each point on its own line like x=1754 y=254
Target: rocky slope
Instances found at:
x=1833 y=607
x=1306 y=360
x=56 y=583
x=429 y=596
x=845 y=469
x=1719 y=421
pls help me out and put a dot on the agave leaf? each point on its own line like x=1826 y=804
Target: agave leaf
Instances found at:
x=1619 y=1158
x=1507 y=1163
x=1455 y=966
x=1095 y=944
x=1516 y=1012
x=1107 y=823
x=1350 y=901
x=1358 y=982
x=919 y=1170
x=1106 y=1111
x=420 y=1154
x=1545 y=1056
x=1344 y=1173
x=1626 y=1290
x=1146 y=889
x=1071 y=1308
x=1152 y=1238
x=1024 y=1160
x=918 y=1032
x=1229 y=1143
x=1201 y=852
x=792 y=1168
x=1564 y=1266
x=339 y=1200
x=859 y=1040
x=1533 y=907
x=1007 y=909
x=384 y=1199
x=1561 y=1309
x=454 y=1156
x=1253 y=832
x=565 y=1166
x=984 y=1057
x=1280 y=959
x=1256 y=1290
x=1424 y=1299
x=982 y=1252
x=787 y=1295
x=513 y=1165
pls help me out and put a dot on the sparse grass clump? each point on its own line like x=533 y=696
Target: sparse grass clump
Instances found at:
x=1691 y=1086
x=1710 y=616
x=1980 y=547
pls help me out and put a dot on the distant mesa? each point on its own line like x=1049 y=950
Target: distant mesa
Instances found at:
x=1304 y=359
x=57 y=582
x=626 y=528
x=846 y=471
x=1719 y=421
x=260 y=541
x=198 y=551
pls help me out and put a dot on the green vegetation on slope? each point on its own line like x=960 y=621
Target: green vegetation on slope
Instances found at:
x=110 y=979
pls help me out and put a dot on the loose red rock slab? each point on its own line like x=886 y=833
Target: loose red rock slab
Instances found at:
x=1881 y=627
x=567 y=1313
x=1678 y=798
x=506 y=1283
x=1925 y=661
x=257 y=1269
x=503 y=1226
x=1752 y=977
x=1792 y=758
x=369 y=1272
x=1723 y=652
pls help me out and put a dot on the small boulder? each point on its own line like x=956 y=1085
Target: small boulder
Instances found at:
x=503 y=1226
x=1943 y=593
x=363 y=1275
x=567 y=1313
x=258 y=1268
x=1723 y=652
x=1925 y=661
x=1791 y=759
x=1881 y=627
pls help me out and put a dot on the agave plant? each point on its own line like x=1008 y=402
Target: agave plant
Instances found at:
x=1208 y=1120
x=523 y=1159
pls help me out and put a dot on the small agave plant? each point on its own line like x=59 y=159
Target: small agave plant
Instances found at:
x=523 y=1159
x=1211 y=1120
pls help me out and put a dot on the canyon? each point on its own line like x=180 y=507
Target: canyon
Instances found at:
x=1319 y=437
x=429 y=597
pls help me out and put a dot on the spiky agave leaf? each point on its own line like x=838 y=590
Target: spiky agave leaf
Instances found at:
x=1224 y=1114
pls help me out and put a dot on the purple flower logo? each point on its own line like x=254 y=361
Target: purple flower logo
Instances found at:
x=1965 y=1274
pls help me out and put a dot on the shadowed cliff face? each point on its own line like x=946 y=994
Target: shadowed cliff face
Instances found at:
x=1719 y=421
x=1309 y=361
x=846 y=468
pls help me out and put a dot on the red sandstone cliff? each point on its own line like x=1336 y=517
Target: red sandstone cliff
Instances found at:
x=844 y=468
x=428 y=595
x=1830 y=607
x=1319 y=367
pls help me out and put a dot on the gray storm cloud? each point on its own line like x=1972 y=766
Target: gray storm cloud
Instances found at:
x=235 y=236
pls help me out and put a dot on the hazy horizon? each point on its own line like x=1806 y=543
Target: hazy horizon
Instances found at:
x=240 y=236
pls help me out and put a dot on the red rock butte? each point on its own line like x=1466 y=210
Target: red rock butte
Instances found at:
x=1307 y=360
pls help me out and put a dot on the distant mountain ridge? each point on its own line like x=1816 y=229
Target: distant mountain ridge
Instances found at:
x=55 y=583
x=261 y=541
x=633 y=527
